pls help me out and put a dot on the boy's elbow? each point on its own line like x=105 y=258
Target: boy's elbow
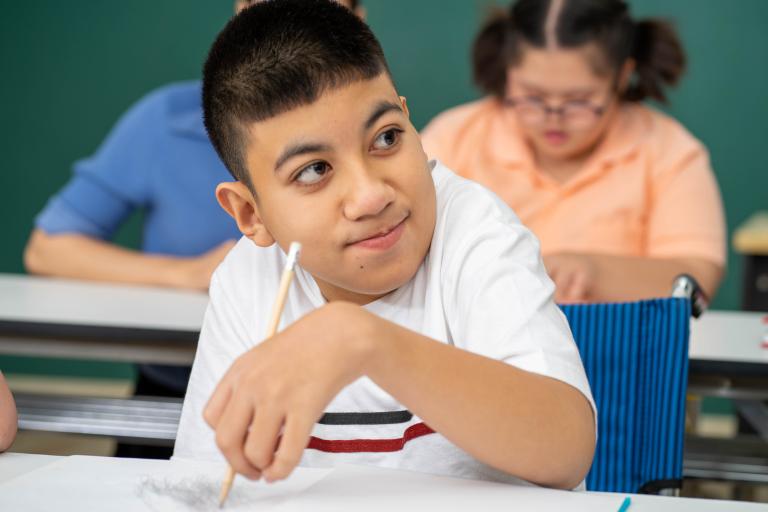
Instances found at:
x=567 y=473
x=569 y=453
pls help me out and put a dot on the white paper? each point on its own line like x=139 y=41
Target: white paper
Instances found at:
x=372 y=489
x=82 y=484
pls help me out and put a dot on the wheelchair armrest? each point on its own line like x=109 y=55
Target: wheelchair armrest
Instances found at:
x=685 y=286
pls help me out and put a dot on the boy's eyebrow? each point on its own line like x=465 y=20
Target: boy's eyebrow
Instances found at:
x=381 y=108
x=299 y=149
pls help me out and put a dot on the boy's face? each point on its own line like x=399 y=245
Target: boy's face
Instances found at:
x=347 y=177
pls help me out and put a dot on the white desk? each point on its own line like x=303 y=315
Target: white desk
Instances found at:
x=356 y=491
x=729 y=341
x=77 y=319
x=16 y=464
x=83 y=320
x=728 y=361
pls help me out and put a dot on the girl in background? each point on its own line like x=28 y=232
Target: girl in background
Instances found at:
x=621 y=196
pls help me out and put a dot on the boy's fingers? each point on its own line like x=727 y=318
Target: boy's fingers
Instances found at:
x=262 y=438
x=230 y=435
x=218 y=402
x=295 y=437
x=222 y=393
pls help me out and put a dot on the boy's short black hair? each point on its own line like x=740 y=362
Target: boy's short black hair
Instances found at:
x=278 y=55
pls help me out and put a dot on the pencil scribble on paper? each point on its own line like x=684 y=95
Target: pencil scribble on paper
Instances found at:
x=195 y=494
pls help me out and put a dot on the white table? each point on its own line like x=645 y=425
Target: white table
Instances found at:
x=77 y=319
x=15 y=465
x=729 y=342
x=728 y=361
x=84 y=320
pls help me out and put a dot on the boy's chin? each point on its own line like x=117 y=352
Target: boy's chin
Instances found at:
x=363 y=289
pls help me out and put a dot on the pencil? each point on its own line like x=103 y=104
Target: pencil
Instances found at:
x=625 y=504
x=277 y=311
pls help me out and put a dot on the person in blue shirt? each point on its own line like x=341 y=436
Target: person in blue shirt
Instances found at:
x=158 y=160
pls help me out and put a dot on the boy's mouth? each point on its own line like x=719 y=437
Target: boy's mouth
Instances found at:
x=384 y=238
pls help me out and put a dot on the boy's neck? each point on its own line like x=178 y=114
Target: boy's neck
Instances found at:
x=332 y=293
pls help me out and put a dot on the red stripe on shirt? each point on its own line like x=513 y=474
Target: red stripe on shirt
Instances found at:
x=369 y=445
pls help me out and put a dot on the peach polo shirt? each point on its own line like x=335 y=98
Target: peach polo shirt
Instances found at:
x=648 y=189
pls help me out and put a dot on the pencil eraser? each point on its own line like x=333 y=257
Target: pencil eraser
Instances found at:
x=293 y=254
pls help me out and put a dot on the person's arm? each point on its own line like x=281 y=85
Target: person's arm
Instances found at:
x=8 y=419
x=583 y=277
x=284 y=384
x=73 y=232
x=84 y=257
x=685 y=233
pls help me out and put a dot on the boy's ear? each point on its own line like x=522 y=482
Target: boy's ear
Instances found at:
x=238 y=202
x=404 y=103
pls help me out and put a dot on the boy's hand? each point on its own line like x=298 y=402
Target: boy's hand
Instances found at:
x=265 y=406
x=574 y=276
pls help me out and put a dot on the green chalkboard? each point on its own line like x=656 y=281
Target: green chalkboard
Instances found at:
x=69 y=69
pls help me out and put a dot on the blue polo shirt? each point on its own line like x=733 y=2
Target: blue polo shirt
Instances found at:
x=156 y=159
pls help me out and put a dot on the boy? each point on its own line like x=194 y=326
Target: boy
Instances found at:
x=160 y=141
x=421 y=320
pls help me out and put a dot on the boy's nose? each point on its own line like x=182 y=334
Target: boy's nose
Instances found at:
x=368 y=196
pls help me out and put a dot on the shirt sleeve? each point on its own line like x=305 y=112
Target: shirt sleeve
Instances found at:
x=223 y=338
x=500 y=302
x=107 y=187
x=438 y=139
x=686 y=217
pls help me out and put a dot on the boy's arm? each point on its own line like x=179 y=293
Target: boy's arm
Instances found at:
x=84 y=257
x=531 y=426
x=528 y=425
x=583 y=277
x=8 y=419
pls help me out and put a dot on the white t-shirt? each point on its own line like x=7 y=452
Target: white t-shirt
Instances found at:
x=482 y=287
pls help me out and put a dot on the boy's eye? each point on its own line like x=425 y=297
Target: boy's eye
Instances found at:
x=387 y=139
x=313 y=173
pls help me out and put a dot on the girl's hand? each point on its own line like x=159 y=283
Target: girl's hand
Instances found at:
x=574 y=275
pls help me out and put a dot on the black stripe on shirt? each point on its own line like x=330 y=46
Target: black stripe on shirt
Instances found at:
x=365 y=418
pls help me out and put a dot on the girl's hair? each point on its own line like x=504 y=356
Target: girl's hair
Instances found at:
x=653 y=44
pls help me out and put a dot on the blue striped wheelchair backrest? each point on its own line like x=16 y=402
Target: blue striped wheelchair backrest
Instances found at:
x=636 y=359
